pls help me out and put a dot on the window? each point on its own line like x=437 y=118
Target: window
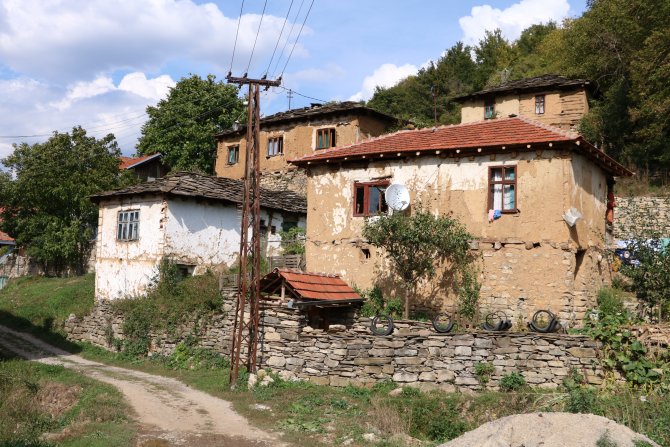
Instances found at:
x=539 y=105
x=369 y=198
x=275 y=146
x=233 y=154
x=128 y=226
x=325 y=138
x=502 y=187
x=489 y=109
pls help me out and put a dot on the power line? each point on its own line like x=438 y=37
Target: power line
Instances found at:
x=288 y=38
x=257 y=33
x=296 y=39
x=304 y=96
x=239 y=19
x=279 y=38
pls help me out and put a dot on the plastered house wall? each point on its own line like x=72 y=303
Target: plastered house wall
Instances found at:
x=562 y=109
x=528 y=260
x=202 y=234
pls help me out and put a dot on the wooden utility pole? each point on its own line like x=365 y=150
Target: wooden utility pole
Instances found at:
x=245 y=331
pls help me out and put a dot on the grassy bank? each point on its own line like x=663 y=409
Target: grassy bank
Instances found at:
x=44 y=405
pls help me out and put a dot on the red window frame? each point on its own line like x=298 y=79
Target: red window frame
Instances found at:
x=503 y=182
x=325 y=138
x=367 y=186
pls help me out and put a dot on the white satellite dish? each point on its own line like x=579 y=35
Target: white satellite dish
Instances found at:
x=397 y=197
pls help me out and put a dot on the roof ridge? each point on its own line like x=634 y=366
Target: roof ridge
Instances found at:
x=549 y=127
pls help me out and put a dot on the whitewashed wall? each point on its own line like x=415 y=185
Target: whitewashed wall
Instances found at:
x=126 y=268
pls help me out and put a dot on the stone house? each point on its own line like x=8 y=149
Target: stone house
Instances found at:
x=193 y=220
x=296 y=133
x=550 y=99
x=530 y=173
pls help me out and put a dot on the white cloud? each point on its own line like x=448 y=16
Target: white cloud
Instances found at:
x=385 y=75
x=155 y=89
x=512 y=20
x=61 y=40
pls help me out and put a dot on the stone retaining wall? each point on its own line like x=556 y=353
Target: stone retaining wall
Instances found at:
x=413 y=355
x=641 y=217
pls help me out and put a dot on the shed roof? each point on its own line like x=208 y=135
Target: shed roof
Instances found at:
x=186 y=184
x=132 y=162
x=495 y=135
x=314 y=111
x=534 y=84
x=309 y=286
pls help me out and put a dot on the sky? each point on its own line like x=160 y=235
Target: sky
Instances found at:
x=100 y=63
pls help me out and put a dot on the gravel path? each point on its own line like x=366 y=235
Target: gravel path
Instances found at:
x=168 y=411
x=549 y=430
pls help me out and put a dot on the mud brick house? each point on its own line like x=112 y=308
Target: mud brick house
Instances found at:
x=296 y=133
x=530 y=173
x=190 y=219
x=549 y=99
x=146 y=167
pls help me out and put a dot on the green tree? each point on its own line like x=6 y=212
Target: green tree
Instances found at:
x=45 y=200
x=417 y=244
x=182 y=126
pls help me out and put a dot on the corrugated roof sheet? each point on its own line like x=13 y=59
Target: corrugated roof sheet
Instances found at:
x=186 y=184
x=491 y=134
x=312 y=286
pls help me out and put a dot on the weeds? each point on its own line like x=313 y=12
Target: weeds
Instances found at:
x=512 y=382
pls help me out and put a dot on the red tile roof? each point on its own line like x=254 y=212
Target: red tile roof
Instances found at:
x=4 y=237
x=310 y=286
x=129 y=162
x=493 y=135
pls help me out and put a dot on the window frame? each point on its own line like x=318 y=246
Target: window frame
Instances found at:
x=503 y=182
x=366 y=197
x=542 y=103
x=489 y=104
x=279 y=148
x=330 y=134
x=124 y=220
x=234 y=149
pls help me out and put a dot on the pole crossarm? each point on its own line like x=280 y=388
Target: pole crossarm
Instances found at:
x=244 y=80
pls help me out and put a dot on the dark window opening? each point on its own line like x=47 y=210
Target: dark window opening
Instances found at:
x=579 y=260
x=289 y=223
x=366 y=253
x=233 y=155
x=489 y=109
x=502 y=189
x=273 y=229
x=185 y=270
x=539 y=105
x=369 y=198
x=325 y=138
x=275 y=146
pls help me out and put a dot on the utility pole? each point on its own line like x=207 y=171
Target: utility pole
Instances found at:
x=245 y=331
x=289 y=95
x=433 y=91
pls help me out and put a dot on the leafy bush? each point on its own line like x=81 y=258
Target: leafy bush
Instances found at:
x=610 y=302
x=512 y=382
x=483 y=371
x=375 y=304
x=293 y=241
x=581 y=398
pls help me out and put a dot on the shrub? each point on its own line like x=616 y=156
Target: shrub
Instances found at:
x=512 y=382
x=483 y=371
x=375 y=304
x=610 y=302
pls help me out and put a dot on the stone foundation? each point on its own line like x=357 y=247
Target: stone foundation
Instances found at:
x=414 y=355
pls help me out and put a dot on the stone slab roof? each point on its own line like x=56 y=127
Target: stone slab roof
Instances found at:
x=537 y=83
x=496 y=135
x=186 y=184
x=314 y=111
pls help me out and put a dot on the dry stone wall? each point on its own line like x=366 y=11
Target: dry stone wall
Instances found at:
x=641 y=217
x=414 y=355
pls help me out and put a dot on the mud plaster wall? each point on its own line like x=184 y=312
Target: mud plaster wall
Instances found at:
x=414 y=355
x=528 y=260
x=562 y=109
x=299 y=140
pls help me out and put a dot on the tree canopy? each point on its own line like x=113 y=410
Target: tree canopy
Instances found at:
x=621 y=46
x=45 y=196
x=182 y=126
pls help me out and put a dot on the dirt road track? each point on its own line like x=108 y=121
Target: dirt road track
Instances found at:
x=169 y=412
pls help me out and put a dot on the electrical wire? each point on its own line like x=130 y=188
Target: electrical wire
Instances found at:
x=239 y=19
x=279 y=38
x=297 y=38
x=300 y=94
x=260 y=22
x=288 y=38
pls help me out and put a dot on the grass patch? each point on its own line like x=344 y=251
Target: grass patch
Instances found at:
x=45 y=405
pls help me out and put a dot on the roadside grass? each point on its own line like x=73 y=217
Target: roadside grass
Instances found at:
x=47 y=405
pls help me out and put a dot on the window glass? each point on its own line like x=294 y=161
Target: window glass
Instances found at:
x=127 y=228
x=489 y=109
x=360 y=199
x=539 y=104
x=325 y=138
x=502 y=190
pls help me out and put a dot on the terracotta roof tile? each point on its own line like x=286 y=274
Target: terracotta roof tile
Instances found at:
x=312 y=286
x=490 y=134
x=128 y=162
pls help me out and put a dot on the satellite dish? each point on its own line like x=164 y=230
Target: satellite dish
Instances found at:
x=397 y=197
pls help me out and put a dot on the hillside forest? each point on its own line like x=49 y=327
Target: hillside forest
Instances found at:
x=621 y=46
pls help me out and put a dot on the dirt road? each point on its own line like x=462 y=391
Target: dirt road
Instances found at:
x=169 y=412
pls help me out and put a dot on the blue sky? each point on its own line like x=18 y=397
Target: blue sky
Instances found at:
x=99 y=63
